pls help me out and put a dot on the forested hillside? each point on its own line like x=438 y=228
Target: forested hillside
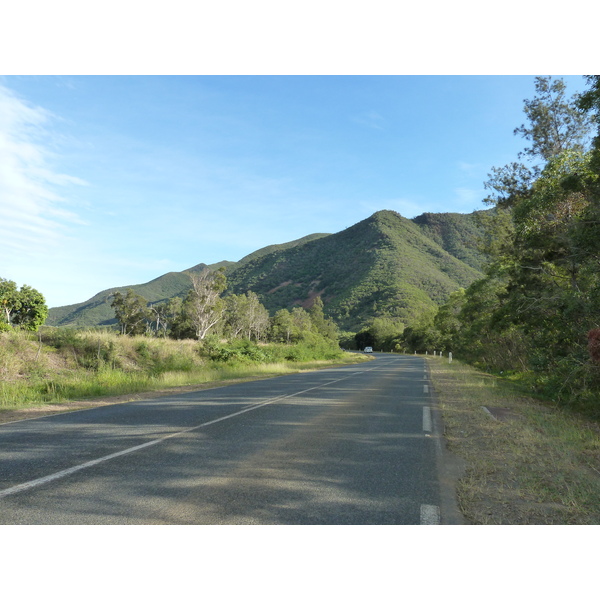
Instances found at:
x=98 y=311
x=458 y=234
x=386 y=265
x=382 y=266
x=536 y=313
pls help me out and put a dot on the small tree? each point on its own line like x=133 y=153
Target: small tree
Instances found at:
x=258 y=317
x=555 y=124
x=236 y=314
x=131 y=312
x=323 y=326
x=180 y=326
x=282 y=326
x=25 y=308
x=301 y=323
x=163 y=315
x=9 y=299
x=203 y=304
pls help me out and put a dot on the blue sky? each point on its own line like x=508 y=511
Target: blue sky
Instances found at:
x=114 y=180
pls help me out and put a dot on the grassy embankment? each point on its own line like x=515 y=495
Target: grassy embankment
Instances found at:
x=59 y=366
x=527 y=461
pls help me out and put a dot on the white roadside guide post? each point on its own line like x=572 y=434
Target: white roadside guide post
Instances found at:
x=449 y=357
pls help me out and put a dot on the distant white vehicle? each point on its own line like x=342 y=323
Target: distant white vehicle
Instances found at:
x=368 y=349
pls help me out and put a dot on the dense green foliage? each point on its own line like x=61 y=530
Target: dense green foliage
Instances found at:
x=59 y=364
x=230 y=328
x=458 y=234
x=131 y=312
x=385 y=266
x=24 y=308
x=382 y=334
x=535 y=312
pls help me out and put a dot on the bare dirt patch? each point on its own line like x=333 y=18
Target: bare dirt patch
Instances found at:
x=280 y=286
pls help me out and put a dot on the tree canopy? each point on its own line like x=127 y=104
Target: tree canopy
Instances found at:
x=24 y=307
x=536 y=308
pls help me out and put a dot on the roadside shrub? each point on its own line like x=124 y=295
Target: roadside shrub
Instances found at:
x=240 y=350
x=63 y=364
x=313 y=347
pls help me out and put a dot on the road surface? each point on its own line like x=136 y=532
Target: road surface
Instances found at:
x=351 y=445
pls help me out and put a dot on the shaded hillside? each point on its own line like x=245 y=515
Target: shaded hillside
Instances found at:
x=456 y=233
x=384 y=265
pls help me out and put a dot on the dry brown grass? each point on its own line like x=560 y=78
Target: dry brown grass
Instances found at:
x=527 y=463
x=60 y=370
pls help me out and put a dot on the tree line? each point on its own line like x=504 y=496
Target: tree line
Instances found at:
x=205 y=310
x=536 y=313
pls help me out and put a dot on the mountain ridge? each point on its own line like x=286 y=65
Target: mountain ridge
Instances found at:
x=385 y=265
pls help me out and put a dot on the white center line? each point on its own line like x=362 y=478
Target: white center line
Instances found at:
x=86 y=465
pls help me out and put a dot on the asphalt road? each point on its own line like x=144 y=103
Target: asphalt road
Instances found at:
x=351 y=445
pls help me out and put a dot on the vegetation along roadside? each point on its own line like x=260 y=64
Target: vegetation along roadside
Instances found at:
x=528 y=461
x=513 y=290
x=60 y=369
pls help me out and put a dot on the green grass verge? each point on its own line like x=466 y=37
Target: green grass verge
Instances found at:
x=65 y=365
x=111 y=382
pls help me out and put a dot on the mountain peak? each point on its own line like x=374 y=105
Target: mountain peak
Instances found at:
x=385 y=265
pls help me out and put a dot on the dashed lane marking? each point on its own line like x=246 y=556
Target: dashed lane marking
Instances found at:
x=427 y=419
x=430 y=514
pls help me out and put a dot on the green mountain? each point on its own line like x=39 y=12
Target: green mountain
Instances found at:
x=386 y=265
x=97 y=310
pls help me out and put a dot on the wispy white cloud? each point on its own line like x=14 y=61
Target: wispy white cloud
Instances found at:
x=33 y=214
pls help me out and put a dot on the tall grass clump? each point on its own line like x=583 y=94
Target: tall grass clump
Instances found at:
x=61 y=364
